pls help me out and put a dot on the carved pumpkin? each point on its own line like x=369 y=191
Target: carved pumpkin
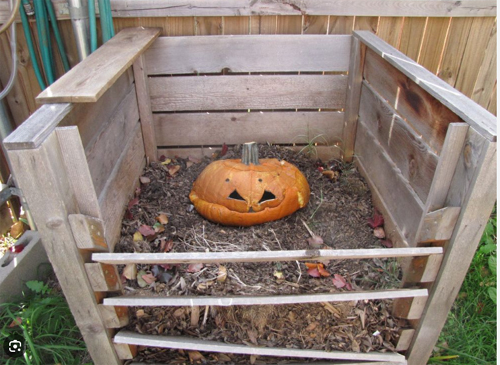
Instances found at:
x=248 y=192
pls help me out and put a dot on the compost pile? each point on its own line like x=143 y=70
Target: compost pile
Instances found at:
x=161 y=218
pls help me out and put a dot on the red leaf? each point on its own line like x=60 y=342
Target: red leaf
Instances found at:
x=129 y=215
x=314 y=272
x=194 y=267
x=223 y=150
x=166 y=266
x=133 y=202
x=387 y=243
x=16 y=322
x=348 y=286
x=162 y=158
x=149 y=278
x=339 y=281
x=17 y=248
x=376 y=221
x=146 y=230
x=166 y=246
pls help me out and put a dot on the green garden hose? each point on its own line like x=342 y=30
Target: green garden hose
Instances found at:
x=44 y=39
x=92 y=26
x=57 y=35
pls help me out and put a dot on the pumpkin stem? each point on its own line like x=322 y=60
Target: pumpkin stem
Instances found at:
x=250 y=153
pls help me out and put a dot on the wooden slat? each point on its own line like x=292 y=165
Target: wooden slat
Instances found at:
x=107 y=145
x=341 y=24
x=405 y=338
x=439 y=224
x=125 y=352
x=145 y=112
x=474 y=189
x=315 y=24
x=422 y=270
x=389 y=29
x=264 y=300
x=236 y=25
x=187 y=343
x=87 y=81
x=260 y=256
x=247 y=92
x=120 y=185
x=103 y=277
x=396 y=192
x=208 y=25
x=407 y=150
x=40 y=173
x=270 y=53
x=411 y=36
x=88 y=232
x=195 y=129
x=487 y=77
x=114 y=317
x=353 y=95
x=408 y=308
x=436 y=31
x=479 y=118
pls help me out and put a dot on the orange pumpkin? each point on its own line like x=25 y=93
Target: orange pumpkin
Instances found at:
x=249 y=192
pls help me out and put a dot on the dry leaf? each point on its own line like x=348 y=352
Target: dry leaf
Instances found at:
x=189 y=164
x=339 y=281
x=140 y=313
x=314 y=272
x=223 y=150
x=146 y=230
x=322 y=270
x=332 y=175
x=311 y=265
x=205 y=285
x=133 y=202
x=138 y=237
x=179 y=313
x=174 y=170
x=312 y=326
x=144 y=180
x=377 y=220
x=195 y=356
x=355 y=346
x=379 y=232
x=194 y=268
x=130 y=271
x=223 y=358
x=166 y=246
x=222 y=274
x=158 y=227
x=166 y=162
x=279 y=275
x=315 y=241
x=149 y=278
x=252 y=335
x=140 y=281
x=194 y=159
x=253 y=359
x=387 y=243
x=162 y=218
x=16 y=322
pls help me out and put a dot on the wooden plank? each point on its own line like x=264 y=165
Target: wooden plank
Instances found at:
x=476 y=172
x=439 y=224
x=353 y=95
x=103 y=277
x=405 y=337
x=389 y=29
x=236 y=25
x=247 y=92
x=78 y=171
x=187 y=343
x=396 y=192
x=407 y=150
x=196 y=129
x=492 y=104
x=433 y=42
x=40 y=173
x=88 y=232
x=466 y=109
x=208 y=25
x=114 y=317
x=120 y=186
x=260 y=256
x=107 y=145
x=315 y=24
x=263 y=24
x=270 y=53
x=422 y=270
x=179 y=26
x=487 y=77
x=125 y=352
x=144 y=102
x=407 y=308
x=340 y=24
x=411 y=36
x=87 y=81
x=289 y=24
x=369 y=23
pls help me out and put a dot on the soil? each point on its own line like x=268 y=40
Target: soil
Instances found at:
x=338 y=212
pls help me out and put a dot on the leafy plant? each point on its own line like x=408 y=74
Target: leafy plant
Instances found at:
x=42 y=317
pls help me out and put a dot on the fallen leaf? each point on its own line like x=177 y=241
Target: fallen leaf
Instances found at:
x=16 y=322
x=315 y=241
x=158 y=227
x=133 y=202
x=194 y=267
x=223 y=150
x=166 y=246
x=162 y=158
x=149 y=278
x=144 y=180
x=140 y=313
x=253 y=359
x=205 y=285
x=279 y=275
x=146 y=230
x=379 y=232
x=316 y=269
x=311 y=265
x=165 y=277
x=189 y=164
x=162 y=218
x=332 y=175
x=223 y=358
x=174 y=170
x=138 y=236
x=355 y=346
x=377 y=220
x=339 y=281
x=166 y=161
x=222 y=274
x=314 y=272
x=140 y=280
x=166 y=266
x=252 y=335
x=387 y=243
x=312 y=326
x=130 y=271
x=179 y=313
x=322 y=270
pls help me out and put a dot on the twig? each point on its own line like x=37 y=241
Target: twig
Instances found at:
x=205 y=316
x=242 y=283
x=276 y=238
x=300 y=271
x=308 y=229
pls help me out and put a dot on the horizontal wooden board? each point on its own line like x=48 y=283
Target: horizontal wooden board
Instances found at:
x=105 y=148
x=120 y=185
x=247 y=92
x=407 y=150
x=263 y=300
x=417 y=89
x=260 y=256
x=187 y=343
x=251 y=53
x=398 y=195
x=197 y=129
x=88 y=80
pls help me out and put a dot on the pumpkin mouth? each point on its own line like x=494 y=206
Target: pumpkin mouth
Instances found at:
x=267 y=196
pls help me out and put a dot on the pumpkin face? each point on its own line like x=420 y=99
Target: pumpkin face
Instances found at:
x=233 y=193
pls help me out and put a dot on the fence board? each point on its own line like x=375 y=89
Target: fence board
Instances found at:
x=315 y=24
x=208 y=25
x=411 y=36
x=236 y=25
x=433 y=42
x=487 y=77
x=389 y=29
x=270 y=53
x=289 y=24
x=197 y=129
x=341 y=24
x=247 y=92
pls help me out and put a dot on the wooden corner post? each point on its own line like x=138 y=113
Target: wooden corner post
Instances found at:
x=353 y=95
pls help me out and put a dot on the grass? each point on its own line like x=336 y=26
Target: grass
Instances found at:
x=42 y=317
x=469 y=335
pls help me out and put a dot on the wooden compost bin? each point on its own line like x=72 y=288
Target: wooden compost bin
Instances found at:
x=427 y=152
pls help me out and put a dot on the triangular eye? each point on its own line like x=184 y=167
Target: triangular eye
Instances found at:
x=236 y=196
x=267 y=196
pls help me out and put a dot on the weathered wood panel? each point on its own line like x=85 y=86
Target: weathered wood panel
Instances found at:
x=270 y=53
x=97 y=73
x=407 y=150
x=247 y=92
x=411 y=36
x=198 y=129
x=397 y=193
x=389 y=29
x=433 y=41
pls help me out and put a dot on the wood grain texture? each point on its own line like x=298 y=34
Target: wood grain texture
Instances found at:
x=125 y=352
x=103 y=277
x=114 y=317
x=260 y=256
x=389 y=29
x=407 y=150
x=478 y=176
x=411 y=36
x=315 y=24
x=451 y=99
x=405 y=337
x=433 y=41
x=270 y=53
x=120 y=185
x=208 y=25
x=396 y=192
x=88 y=232
x=487 y=78
x=236 y=25
x=423 y=269
x=247 y=92
x=87 y=81
x=409 y=308
x=340 y=24
x=127 y=337
x=43 y=168
x=197 y=129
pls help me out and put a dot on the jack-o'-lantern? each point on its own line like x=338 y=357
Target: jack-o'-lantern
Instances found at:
x=248 y=192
